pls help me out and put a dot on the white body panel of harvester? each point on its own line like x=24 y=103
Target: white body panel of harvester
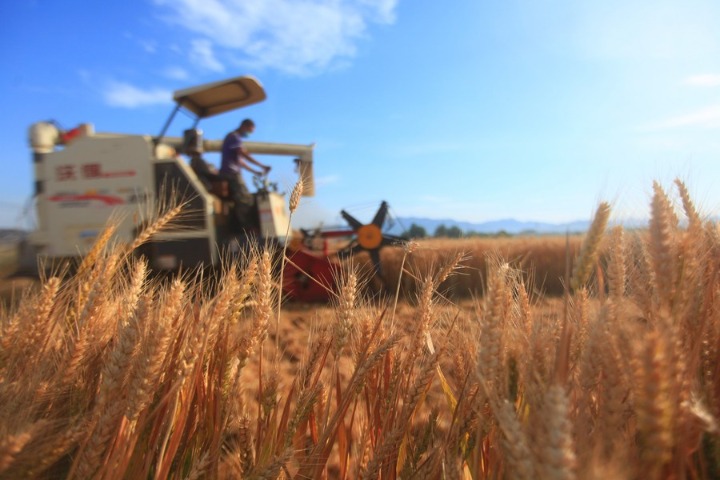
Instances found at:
x=100 y=179
x=274 y=216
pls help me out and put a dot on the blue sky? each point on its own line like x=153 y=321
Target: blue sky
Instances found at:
x=473 y=109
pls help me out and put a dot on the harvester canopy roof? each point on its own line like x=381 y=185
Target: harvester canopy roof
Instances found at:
x=220 y=97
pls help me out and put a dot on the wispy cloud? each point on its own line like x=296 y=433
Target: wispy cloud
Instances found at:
x=202 y=55
x=705 y=118
x=704 y=80
x=120 y=94
x=296 y=37
x=176 y=73
x=149 y=46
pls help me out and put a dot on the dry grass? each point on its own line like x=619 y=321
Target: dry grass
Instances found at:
x=112 y=374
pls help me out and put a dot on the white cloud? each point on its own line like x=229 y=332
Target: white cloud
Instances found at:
x=382 y=11
x=149 y=46
x=176 y=73
x=705 y=118
x=120 y=94
x=201 y=54
x=704 y=80
x=293 y=36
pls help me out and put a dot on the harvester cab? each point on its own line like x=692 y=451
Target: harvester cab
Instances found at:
x=83 y=179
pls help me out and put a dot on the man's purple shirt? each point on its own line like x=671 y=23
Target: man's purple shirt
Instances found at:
x=230 y=160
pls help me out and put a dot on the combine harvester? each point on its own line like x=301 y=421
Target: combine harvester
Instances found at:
x=83 y=179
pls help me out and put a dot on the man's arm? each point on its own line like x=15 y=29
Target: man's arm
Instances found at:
x=244 y=154
x=244 y=164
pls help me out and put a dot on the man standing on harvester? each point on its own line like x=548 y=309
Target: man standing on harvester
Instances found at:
x=235 y=158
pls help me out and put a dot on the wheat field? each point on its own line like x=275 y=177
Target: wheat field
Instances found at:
x=470 y=365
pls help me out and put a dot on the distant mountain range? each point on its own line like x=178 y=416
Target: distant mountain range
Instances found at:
x=509 y=225
x=400 y=224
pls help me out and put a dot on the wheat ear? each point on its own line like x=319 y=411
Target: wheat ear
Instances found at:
x=97 y=249
x=555 y=453
x=10 y=446
x=492 y=325
x=345 y=311
x=515 y=443
x=590 y=248
x=663 y=229
x=156 y=226
x=654 y=406
x=694 y=220
x=41 y=321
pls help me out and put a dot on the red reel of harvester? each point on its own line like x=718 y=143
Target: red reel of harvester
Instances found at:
x=308 y=276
